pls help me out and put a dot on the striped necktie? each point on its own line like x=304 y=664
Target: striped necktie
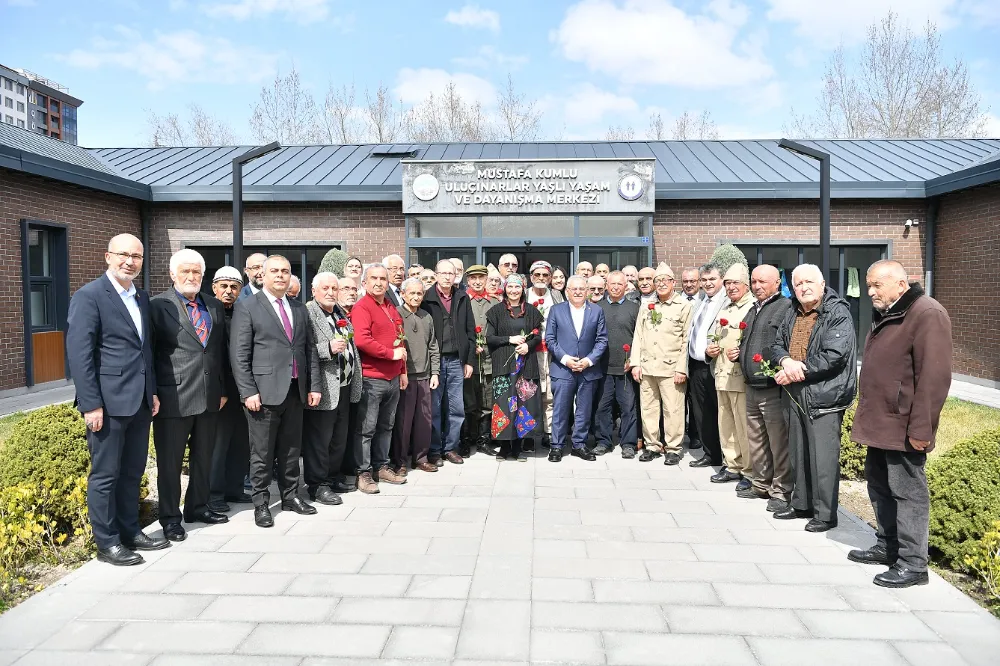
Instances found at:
x=200 y=326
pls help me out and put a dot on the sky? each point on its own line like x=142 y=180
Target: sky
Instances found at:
x=590 y=64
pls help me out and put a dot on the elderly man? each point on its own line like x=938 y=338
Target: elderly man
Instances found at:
x=730 y=385
x=411 y=435
x=603 y=270
x=911 y=340
x=294 y=287
x=379 y=334
x=414 y=270
x=644 y=281
x=632 y=275
x=595 y=288
x=231 y=453
x=254 y=270
x=690 y=285
x=428 y=278
x=459 y=272
x=477 y=389
x=659 y=361
x=110 y=354
x=277 y=371
x=347 y=481
x=767 y=430
x=455 y=330
x=324 y=426
x=816 y=351
x=701 y=384
x=543 y=298
x=397 y=273
x=507 y=265
x=620 y=316
x=577 y=338
x=189 y=350
x=585 y=269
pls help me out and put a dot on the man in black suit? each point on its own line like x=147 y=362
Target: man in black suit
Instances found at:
x=190 y=347
x=396 y=268
x=108 y=344
x=276 y=368
x=254 y=270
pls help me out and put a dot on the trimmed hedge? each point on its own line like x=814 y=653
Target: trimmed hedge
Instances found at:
x=334 y=262
x=964 y=485
x=852 y=454
x=725 y=256
x=49 y=443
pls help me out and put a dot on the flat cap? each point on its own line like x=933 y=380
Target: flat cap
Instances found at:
x=476 y=269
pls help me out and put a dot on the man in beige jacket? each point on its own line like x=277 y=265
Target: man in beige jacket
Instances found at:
x=659 y=363
x=729 y=383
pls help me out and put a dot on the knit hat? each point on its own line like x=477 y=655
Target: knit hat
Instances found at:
x=663 y=269
x=228 y=273
x=737 y=273
x=540 y=264
x=477 y=269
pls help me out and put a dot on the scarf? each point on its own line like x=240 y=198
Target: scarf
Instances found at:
x=473 y=294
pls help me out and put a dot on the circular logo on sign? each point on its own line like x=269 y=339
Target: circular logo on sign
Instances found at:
x=425 y=187
x=630 y=187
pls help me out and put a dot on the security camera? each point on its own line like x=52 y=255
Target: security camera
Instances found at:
x=527 y=243
x=912 y=223
x=909 y=223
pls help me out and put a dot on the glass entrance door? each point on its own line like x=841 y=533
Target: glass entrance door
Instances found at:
x=557 y=256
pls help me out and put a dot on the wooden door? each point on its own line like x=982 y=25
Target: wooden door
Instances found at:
x=49 y=356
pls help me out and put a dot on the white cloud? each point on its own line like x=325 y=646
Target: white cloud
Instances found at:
x=588 y=105
x=652 y=41
x=413 y=85
x=185 y=56
x=826 y=24
x=303 y=11
x=471 y=16
x=490 y=57
x=992 y=126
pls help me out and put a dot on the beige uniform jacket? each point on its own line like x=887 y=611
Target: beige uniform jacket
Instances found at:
x=728 y=375
x=480 y=306
x=660 y=350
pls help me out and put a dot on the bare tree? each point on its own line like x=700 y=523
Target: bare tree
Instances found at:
x=657 y=130
x=619 y=133
x=448 y=117
x=383 y=117
x=691 y=126
x=285 y=112
x=897 y=87
x=518 y=117
x=340 y=119
x=198 y=129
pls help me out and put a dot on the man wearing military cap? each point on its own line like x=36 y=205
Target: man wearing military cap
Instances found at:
x=477 y=388
x=543 y=298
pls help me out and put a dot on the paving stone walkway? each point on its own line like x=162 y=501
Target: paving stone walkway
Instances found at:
x=613 y=562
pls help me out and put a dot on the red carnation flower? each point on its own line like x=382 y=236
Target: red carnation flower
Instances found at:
x=479 y=329
x=743 y=326
x=627 y=348
x=723 y=322
x=341 y=323
x=537 y=304
x=757 y=358
x=534 y=331
x=652 y=306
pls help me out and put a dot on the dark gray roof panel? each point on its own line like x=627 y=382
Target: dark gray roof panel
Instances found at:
x=30 y=142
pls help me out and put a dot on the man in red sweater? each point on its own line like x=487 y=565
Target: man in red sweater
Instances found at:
x=378 y=333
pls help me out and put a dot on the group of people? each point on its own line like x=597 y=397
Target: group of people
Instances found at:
x=387 y=370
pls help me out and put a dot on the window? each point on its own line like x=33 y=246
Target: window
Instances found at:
x=8 y=84
x=8 y=102
x=20 y=107
x=631 y=226
x=20 y=89
x=41 y=100
x=43 y=310
x=305 y=262
x=443 y=226
x=20 y=123
x=527 y=226
x=54 y=106
x=55 y=123
x=69 y=113
x=9 y=120
x=615 y=258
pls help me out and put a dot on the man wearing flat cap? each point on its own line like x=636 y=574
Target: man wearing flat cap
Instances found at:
x=730 y=386
x=659 y=360
x=477 y=388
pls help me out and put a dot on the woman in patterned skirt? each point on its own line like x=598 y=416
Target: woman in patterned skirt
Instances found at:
x=512 y=334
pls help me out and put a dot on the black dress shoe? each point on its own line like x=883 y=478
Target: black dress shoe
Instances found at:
x=242 y=498
x=628 y=452
x=817 y=525
x=174 y=532
x=704 y=461
x=648 y=455
x=206 y=515
x=119 y=555
x=143 y=541
x=750 y=493
x=262 y=516
x=555 y=454
x=672 y=458
x=875 y=555
x=790 y=513
x=724 y=476
x=326 y=496
x=583 y=454
x=774 y=504
x=744 y=484
x=297 y=505
x=899 y=575
x=219 y=506
x=344 y=487
x=601 y=450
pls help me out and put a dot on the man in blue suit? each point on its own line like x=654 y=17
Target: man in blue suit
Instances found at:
x=108 y=344
x=254 y=270
x=576 y=337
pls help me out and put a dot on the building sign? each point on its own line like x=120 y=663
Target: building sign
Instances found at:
x=522 y=187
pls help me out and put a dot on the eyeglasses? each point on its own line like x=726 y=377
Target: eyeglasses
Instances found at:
x=539 y=274
x=125 y=256
x=510 y=264
x=255 y=268
x=663 y=280
x=348 y=289
x=596 y=289
x=642 y=279
x=452 y=273
x=575 y=289
x=397 y=269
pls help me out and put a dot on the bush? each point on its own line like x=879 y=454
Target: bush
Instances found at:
x=986 y=561
x=334 y=261
x=852 y=454
x=725 y=256
x=49 y=443
x=964 y=488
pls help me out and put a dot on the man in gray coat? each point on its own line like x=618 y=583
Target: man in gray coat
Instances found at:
x=189 y=352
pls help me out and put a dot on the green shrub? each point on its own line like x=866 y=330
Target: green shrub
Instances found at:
x=725 y=256
x=49 y=443
x=852 y=454
x=334 y=262
x=986 y=561
x=964 y=488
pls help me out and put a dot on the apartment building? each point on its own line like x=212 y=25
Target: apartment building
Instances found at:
x=32 y=102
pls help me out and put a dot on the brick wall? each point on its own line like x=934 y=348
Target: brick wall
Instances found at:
x=93 y=218
x=368 y=230
x=968 y=244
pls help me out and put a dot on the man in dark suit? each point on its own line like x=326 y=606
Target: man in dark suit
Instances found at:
x=108 y=344
x=254 y=270
x=190 y=347
x=396 y=268
x=576 y=337
x=276 y=368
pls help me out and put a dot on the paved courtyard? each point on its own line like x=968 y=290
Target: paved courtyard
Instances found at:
x=613 y=562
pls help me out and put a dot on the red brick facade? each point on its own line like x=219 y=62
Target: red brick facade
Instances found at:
x=968 y=242
x=92 y=218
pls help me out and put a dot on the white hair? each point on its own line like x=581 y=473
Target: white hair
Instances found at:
x=186 y=256
x=576 y=278
x=808 y=268
x=385 y=260
x=368 y=269
x=323 y=275
x=410 y=282
x=506 y=256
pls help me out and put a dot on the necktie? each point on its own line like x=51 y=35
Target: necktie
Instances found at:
x=200 y=326
x=288 y=332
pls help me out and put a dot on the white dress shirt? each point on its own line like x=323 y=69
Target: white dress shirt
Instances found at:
x=577 y=314
x=703 y=321
x=253 y=289
x=131 y=304
x=288 y=309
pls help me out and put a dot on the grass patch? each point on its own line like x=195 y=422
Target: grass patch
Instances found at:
x=961 y=420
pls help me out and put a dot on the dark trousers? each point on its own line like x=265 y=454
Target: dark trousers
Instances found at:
x=411 y=435
x=691 y=424
x=897 y=487
x=478 y=398
x=170 y=437
x=231 y=455
x=618 y=389
x=349 y=467
x=447 y=407
x=705 y=407
x=324 y=441
x=275 y=433
x=814 y=453
x=377 y=415
x=564 y=392
x=118 y=453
